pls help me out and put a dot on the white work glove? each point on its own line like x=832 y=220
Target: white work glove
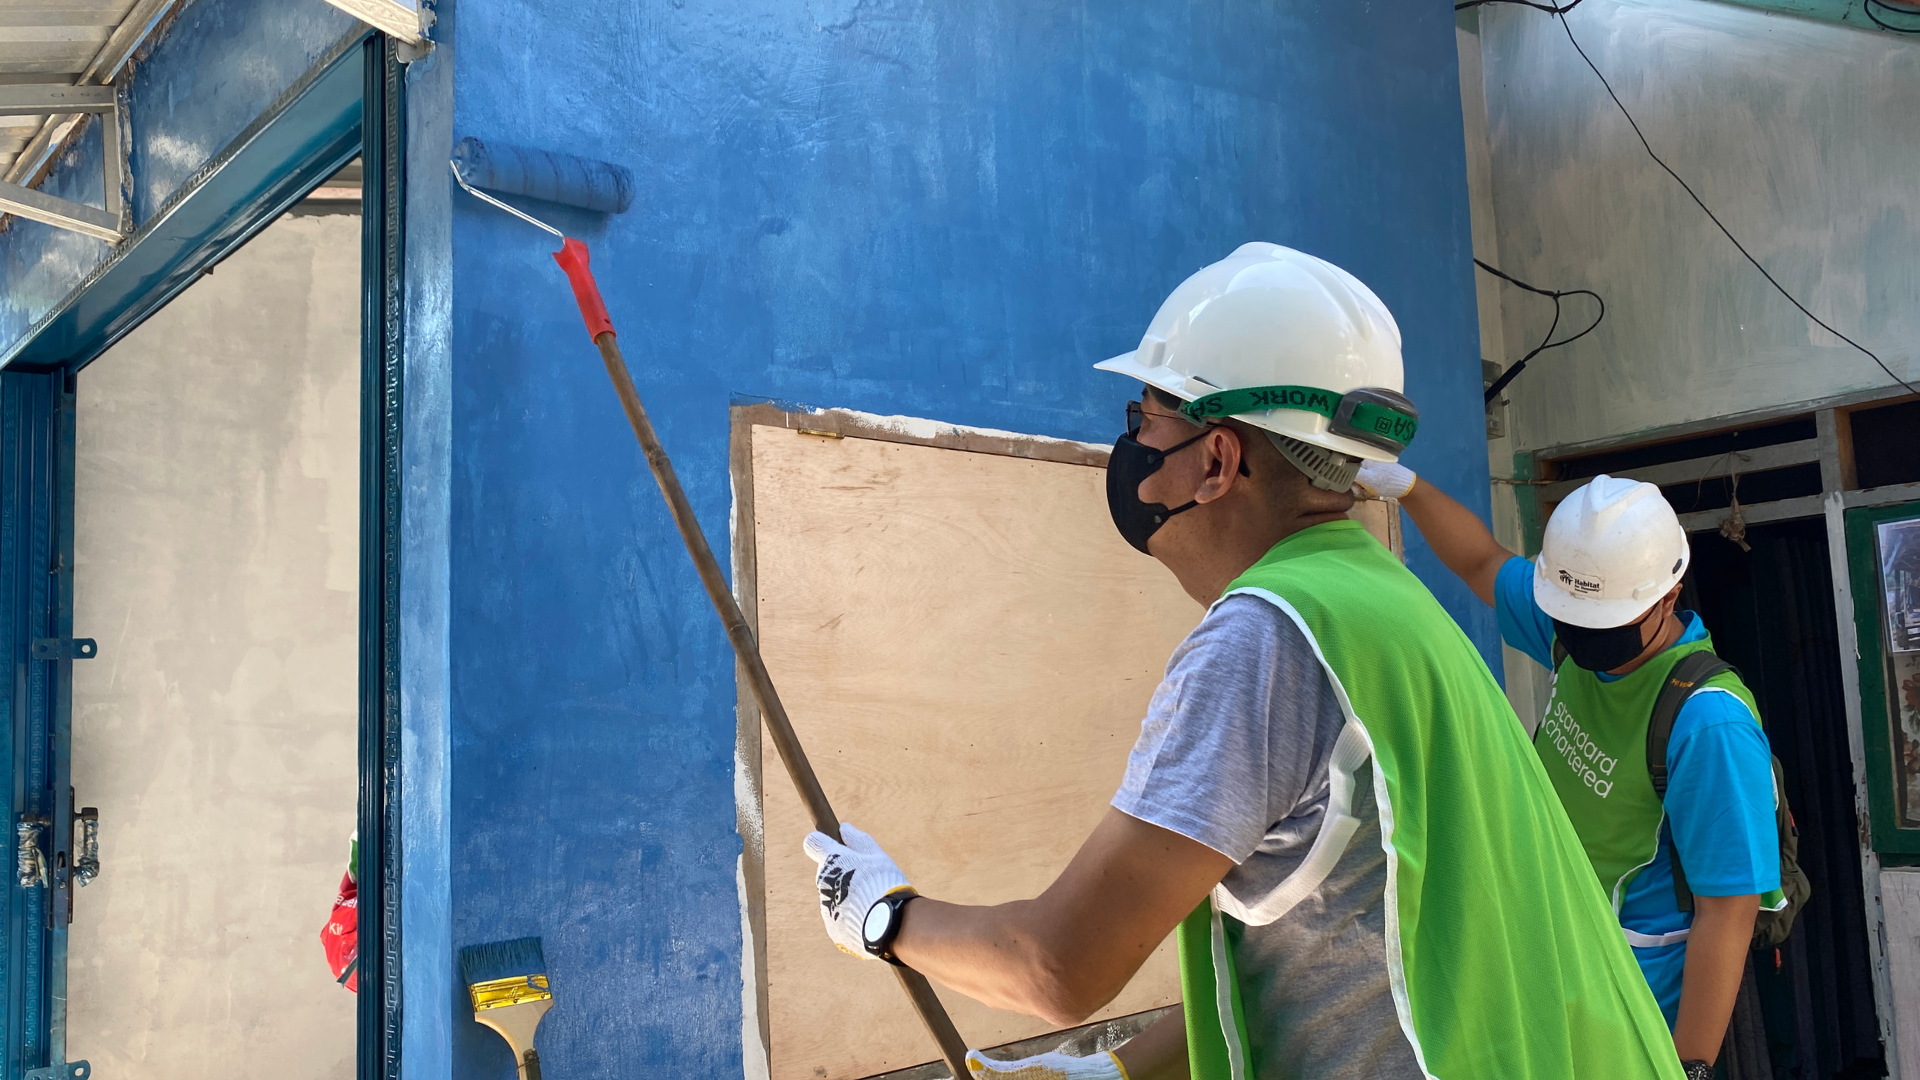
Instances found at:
x=1100 y=1066
x=1384 y=480
x=853 y=876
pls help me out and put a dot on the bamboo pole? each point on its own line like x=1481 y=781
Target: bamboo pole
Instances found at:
x=952 y=1047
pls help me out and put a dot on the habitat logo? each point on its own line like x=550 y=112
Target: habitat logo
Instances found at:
x=1580 y=586
x=1593 y=766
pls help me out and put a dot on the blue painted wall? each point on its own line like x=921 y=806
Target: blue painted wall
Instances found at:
x=216 y=68
x=944 y=208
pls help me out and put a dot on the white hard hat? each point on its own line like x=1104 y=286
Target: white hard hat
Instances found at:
x=1282 y=327
x=1611 y=551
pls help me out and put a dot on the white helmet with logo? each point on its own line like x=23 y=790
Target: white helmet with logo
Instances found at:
x=1611 y=551
x=1289 y=343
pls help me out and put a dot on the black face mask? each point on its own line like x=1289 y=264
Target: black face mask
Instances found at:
x=1603 y=649
x=1131 y=462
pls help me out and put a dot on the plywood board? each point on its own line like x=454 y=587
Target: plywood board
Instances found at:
x=966 y=647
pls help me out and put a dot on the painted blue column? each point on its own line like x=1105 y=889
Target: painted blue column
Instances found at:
x=943 y=208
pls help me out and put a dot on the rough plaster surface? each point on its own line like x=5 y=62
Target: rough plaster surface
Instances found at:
x=217 y=564
x=947 y=210
x=1799 y=134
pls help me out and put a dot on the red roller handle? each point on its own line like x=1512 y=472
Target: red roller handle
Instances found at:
x=573 y=258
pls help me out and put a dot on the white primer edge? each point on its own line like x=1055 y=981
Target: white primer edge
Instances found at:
x=915 y=427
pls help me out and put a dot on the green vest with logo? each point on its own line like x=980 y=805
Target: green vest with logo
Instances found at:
x=1503 y=958
x=1593 y=744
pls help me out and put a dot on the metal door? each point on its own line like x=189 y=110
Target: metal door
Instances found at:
x=37 y=651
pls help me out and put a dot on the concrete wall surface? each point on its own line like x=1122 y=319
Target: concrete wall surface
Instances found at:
x=217 y=564
x=1799 y=134
x=945 y=210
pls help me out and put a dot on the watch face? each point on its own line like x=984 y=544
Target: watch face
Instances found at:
x=879 y=917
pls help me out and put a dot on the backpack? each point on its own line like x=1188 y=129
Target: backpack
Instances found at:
x=1770 y=928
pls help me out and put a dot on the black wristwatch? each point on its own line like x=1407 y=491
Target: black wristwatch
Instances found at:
x=882 y=924
x=1697 y=1070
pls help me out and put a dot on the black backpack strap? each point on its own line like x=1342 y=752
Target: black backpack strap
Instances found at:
x=1685 y=678
x=1559 y=652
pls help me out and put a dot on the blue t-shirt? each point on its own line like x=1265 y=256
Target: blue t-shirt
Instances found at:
x=1719 y=799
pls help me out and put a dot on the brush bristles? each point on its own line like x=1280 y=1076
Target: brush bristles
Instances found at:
x=502 y=960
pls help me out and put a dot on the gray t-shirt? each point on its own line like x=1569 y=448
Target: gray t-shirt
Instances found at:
x=1233 y=754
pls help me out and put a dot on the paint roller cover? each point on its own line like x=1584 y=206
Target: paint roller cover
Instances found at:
x=545 y=175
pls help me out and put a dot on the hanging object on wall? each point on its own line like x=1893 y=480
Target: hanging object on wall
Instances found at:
x=1500 y=382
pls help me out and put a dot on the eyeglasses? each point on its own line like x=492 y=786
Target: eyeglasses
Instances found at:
x=1137 y=414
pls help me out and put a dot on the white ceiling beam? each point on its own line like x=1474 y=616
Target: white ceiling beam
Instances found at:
x=106 y=64
x=38 y=99
x=126 y=37
x=58 y=212
x=397 y=18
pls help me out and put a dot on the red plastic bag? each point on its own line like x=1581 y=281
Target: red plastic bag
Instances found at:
x=341 y=936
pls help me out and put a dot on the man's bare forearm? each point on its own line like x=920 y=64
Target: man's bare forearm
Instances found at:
x=995 y=955
x=1716 y=959
x=1462 y=541
x=1068 y=951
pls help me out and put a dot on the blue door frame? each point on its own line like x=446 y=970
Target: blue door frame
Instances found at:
x=36 y=668
x=349 y=104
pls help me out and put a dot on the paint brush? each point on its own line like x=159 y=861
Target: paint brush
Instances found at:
x=507 y=981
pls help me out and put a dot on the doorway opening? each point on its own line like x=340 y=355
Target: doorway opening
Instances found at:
x=217 y=524
x=1770 y=609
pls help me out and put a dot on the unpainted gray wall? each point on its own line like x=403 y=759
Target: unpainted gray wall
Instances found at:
x=1801 y=136
x=217 y=565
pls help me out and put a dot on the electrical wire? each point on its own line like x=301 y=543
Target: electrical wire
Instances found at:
x=1688 y=188
x=1867 y=7
x=1548 y=8
x=1547 y=342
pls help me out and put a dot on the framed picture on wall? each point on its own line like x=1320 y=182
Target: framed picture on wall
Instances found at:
x=1899 y=551
x=1883 y=559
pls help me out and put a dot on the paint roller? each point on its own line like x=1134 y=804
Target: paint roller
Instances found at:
x=608 y=188
x=549 y=177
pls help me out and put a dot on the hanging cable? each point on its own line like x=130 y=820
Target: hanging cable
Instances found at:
x=1688 y=188
x=1547 y=342
x=1868 y=7
x=1548 y=8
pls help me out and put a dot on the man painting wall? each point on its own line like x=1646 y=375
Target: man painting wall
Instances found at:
x=1330 y=797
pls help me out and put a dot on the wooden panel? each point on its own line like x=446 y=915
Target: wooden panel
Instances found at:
x=966 y=647
x=1900 y=899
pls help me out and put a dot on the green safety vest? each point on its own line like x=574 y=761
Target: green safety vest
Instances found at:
x=1593 y=744
x=1504 y=960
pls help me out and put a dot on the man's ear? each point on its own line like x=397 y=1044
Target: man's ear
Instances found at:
x=1226 y=455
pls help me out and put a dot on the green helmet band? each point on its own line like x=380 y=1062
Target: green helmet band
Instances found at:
x=1372 y=415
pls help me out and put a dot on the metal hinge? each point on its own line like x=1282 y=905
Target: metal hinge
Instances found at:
x=70 y=1070
x=30 y=860
x=86 y=860
x=53 y=648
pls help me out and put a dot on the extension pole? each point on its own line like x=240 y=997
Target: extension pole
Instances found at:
x=952 y=1047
